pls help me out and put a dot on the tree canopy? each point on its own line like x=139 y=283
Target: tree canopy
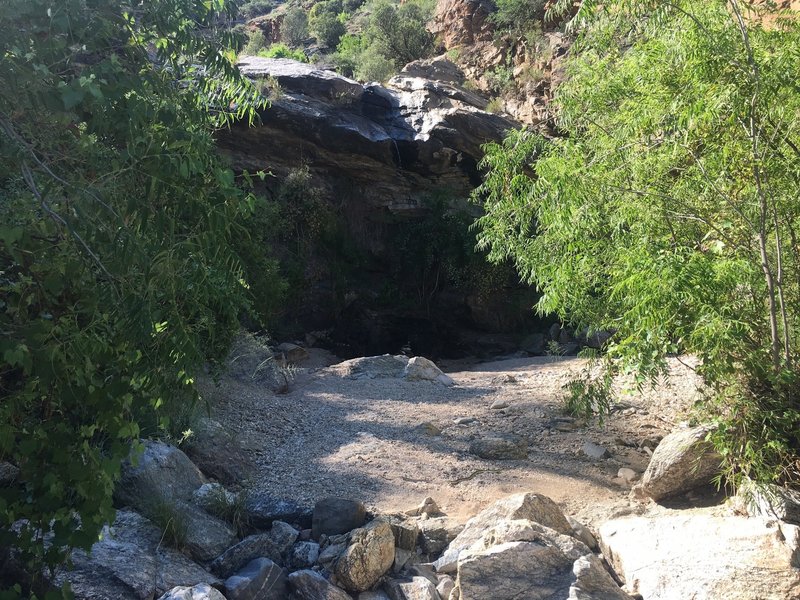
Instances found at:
x=667 y=210
x=118 y=280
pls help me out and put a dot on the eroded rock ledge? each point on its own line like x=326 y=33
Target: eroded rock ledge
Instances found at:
x=420 y=133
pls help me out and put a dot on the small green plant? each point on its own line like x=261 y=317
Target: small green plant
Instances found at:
x=283 y=51
x=589 y=396
x=495 y=105
x=230 y=507
x=554 y=348
x=270 y=87
x=453 y=54
x=256 y=42
x=164 y=513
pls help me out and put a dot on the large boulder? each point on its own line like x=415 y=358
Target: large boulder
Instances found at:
x=129 y=561
x=683 y=461
x=523 y=559
x=218 y=453
x=262 y=510
x=368 y=557
x=159 y=472
x=334 y=516
x=704 y=556
x=528 y=506
x=371 y=367
x=420 y=368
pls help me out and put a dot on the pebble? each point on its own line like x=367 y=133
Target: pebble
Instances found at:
x=498 y=404
x=593 y=450
x=465 y=420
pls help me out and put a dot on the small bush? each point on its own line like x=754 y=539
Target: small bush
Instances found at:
x=256 y=42
x=256 y=8
x=166 y=516
x=294 y=29
x=231 y=508
x=283 y=51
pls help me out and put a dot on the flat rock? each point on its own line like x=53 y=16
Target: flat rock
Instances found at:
x=500 y=447
x=368 y=557
x=130 y=561
x=218 y=452
x=334 y=516
x=534 y=507
x=435 y=534
x=683 y=461
x=260 y=579
x=263 y=510
x=206 y=536
x=595 y=451
x=371 y=367
x=704 y=556
x=310 y=585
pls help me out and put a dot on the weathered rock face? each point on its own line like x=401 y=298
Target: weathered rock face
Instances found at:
x=369 y=555
x=130 y=561
x=684 y=460
x=388 y=145
x=528 y=506
x=463 y=22
x=702 y=556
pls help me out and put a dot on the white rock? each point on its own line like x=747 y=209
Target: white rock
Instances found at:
x=420 y=368
x=533 y=507
x=704 y=557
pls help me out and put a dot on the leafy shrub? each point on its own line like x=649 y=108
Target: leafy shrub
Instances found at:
x=283 y=51
x=671 y=203
x=325 y=23
x=400 y=32
x=294 y=28
x=256 y=43
x=518 y=16
x=118 y=279
x=256 y=8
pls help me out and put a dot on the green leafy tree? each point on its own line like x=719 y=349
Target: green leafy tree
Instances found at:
x=294 y=28
x=400 y=32
x=668 y=211
x=518 y=16
x=325 y=24
x=117 y=277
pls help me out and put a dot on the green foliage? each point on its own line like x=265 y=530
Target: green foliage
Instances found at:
x=117 y=277
x=231 y=508
x=438 y=251
x=294 y=28
x=590 y=395
x=394 y=35
x=168 y=518
x=325 y=23
x=283 y=51
x=400 y=32
x=668 y=212
x=256 y=8
x=517 y=16
x=256 y=43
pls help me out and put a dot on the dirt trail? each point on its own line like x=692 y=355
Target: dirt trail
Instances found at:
x=391 y=443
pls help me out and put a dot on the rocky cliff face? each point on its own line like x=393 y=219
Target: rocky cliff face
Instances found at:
x=520 y=71
x=380 y=154
x=423 y=131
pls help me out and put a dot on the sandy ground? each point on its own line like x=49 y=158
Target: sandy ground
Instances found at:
x=390 y=443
